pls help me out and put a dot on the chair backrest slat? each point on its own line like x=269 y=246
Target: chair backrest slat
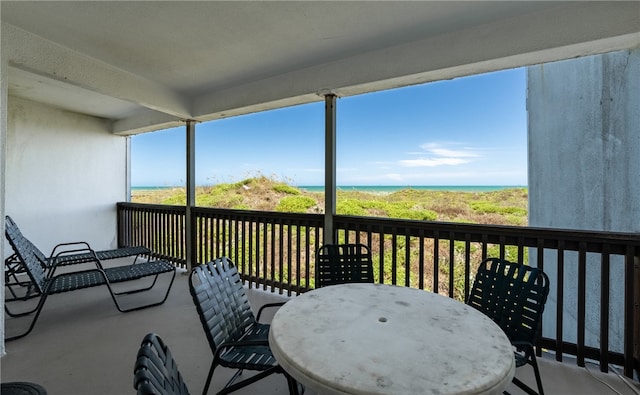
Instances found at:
x=32 y=259
x=221 y=301
x=155 y=371
x=512 y=295
x=343 y=263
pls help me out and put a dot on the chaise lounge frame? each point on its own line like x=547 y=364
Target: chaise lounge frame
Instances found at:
x=44 y=281
x=61 y=255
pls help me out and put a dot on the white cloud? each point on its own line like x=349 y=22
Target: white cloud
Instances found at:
x=435 y=154
x=432 y=162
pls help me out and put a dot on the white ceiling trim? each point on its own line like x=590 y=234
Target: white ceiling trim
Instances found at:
x=42 y=57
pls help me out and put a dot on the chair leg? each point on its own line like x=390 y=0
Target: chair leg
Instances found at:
x=250 y=380
x=12 y=314
x=209 y=376
x=133 y=291
x=122 y=310
x=293 y=385
x=536 y=370
x=530 y=355
x=38 y=310
x=524 y=387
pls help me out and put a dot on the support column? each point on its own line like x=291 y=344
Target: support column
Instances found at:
x=329 y=235
x=127 y=172
x=190 y=236
x=4 y=107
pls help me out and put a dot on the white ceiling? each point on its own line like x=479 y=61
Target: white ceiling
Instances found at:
x=148 y=64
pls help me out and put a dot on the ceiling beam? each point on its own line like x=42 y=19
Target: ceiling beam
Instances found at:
x=145 y=121
x=43 y=57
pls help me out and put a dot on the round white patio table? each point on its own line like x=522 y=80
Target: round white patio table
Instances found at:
x=383 y=339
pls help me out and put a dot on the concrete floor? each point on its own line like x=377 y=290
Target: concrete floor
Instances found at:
x=83 y=345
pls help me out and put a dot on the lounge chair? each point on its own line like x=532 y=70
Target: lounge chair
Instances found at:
x=237 y=339
x=62 y=255
x=343 y=263
x=513 y=295
x=44 y=281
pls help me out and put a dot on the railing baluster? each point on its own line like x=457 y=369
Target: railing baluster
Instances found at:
x=560 y=297
x=540 y=265
x=407 y=260
x=604 y=309
x=485 y=242
x=307 y=252
x=394 y=256
x=252 y=261
x=629 y=307
x=582 y=278
x=280 y=255
x=236 y=244
x=436 y=261
x=467 y=264
x=452 y=261
x=421 y=259
x=267 y=226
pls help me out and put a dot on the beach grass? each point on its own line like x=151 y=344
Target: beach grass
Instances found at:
x=500 y=207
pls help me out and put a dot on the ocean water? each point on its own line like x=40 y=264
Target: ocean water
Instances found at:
x=395 y=188
x=379 y=188
x=151 y=188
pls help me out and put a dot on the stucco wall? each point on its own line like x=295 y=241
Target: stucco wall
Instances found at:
x=584 y=172
x=65 y=172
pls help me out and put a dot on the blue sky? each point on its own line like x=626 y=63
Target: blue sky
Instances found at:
x=466 y=131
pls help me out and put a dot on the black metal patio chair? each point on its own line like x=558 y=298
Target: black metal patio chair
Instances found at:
x=155 y=371
x=237 y=339
x=513 y=295
x=44 y=282
x=343 y=263
x=63 y=254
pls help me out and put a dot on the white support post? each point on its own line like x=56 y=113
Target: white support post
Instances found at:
x=4 y=107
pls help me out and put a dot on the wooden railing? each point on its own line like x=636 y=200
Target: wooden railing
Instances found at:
x=592 y=308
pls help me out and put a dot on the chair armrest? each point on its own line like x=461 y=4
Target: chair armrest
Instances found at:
x=64 y=249
x=72 y=247
x=267 y=306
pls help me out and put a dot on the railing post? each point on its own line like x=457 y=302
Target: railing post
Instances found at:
x=329 y=235
x=636 y=311
x=190 y=234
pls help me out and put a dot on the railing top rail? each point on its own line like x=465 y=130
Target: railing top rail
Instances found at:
x=298 y=217
x=149 y=206
x=515 y=231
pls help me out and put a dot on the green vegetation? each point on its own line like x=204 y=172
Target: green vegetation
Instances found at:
x=295 y=204
x=504 y=207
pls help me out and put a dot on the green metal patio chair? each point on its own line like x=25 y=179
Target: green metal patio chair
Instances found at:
x=513 y=295
x=155 y=371
x=237 y=339
x=343 y=263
